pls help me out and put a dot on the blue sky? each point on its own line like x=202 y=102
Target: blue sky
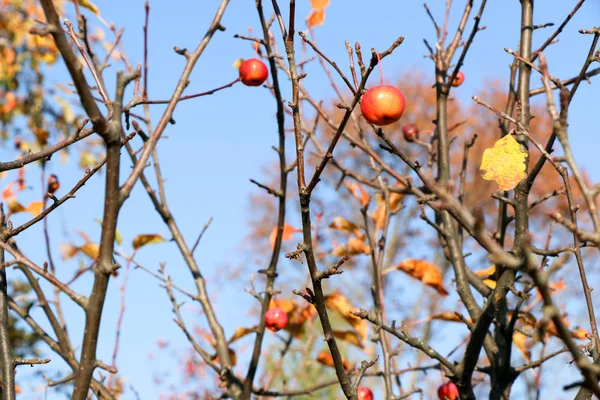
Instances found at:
x=221 y=141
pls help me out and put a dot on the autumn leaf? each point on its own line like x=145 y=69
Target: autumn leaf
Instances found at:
x=520 y=342
x=90 y=249
x=446 y=316
x=342 y=224
x=35 y=208
x=355 y=246
x=317 y=15
x=504 y=163
x=68 y=251
x=350 y=337
x=395 y=205
x=14 y=206
x=288 y=231
x=425 y=272
x=89 y=5
x=358 y=192
x=325 y=358
x=144 y=239
x=341 y=304
x=240 y=333
x=286 y=305
x=486 y=273
x=232 y=358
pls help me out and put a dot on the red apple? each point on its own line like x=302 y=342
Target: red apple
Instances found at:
x=276 y=319
x=364 y=393
x=459 y=79
x=410 y=132
x=382 y=105
x=253 y=72
x=448 y=391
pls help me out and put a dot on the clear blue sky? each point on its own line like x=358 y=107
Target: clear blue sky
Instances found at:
x=221 y=141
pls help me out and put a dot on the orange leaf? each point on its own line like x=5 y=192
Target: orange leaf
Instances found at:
x=288 y=231
x=580 y=333
x=319 y=3
x=325 y=358
x=341 y=304
x=286 y=305
x=342 y=224
x=357 y=192
x=425 y=272
x=144 y=239
x=349 y=336
x=316 y=17
x=68 y=251
x=446 y=316
x=7 y=193
x=35 y=208
x=354 y=247
x=488 y=272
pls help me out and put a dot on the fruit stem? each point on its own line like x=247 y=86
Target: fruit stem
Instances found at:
x=380 y=69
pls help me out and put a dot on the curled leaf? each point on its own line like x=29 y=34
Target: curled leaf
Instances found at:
x=504 y=163
x=144 y=239
x=425 y=272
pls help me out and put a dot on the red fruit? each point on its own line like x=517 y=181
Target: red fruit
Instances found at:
x=276 y=319
x=410 y=132
x=448 y=391
x=382 y=105
x=253 y=72
x=364 y=393
x=460 y=78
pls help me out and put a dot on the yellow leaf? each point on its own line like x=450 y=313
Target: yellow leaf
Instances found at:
x=490 y=283
x=144 y=239
x=504 y=163
x=425 y=272
x=14 y=206
x=90 y=249
x=341 y=304
x=349 y=336
x=240 y=333
x=520 y=342
x=89 y=5
x=35 y=208
x=238 y=63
